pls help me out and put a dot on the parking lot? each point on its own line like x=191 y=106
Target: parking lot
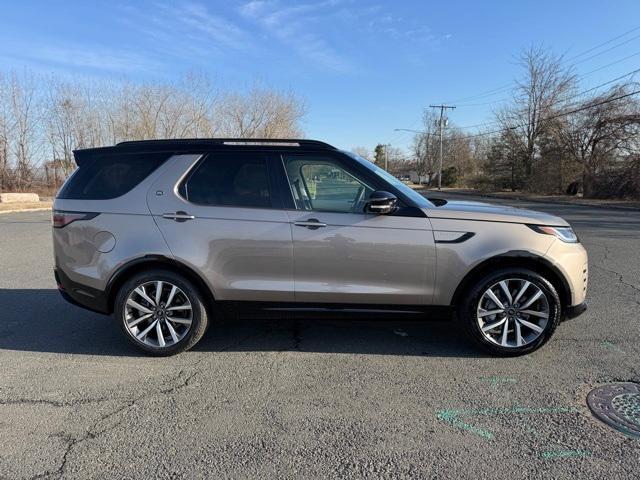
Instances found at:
x=312 y=399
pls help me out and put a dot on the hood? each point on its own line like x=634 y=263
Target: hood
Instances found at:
x=462 y=209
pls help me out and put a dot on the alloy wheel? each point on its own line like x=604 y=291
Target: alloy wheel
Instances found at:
x=158 y=314
x=513 y=313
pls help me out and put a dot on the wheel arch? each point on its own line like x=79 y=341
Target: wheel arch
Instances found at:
x=520 y=259
x=132 y=267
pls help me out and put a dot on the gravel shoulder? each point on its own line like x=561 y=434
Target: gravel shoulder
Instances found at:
x=24 y=207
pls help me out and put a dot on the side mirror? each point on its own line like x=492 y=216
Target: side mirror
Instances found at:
x=381 y=202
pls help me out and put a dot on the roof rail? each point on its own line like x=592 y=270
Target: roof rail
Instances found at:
x=233 y=141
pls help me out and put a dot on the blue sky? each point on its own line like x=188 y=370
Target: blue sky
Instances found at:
x=363 y=67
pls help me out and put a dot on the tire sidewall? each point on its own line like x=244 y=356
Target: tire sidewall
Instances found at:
x=199 y=312
x=470 y=305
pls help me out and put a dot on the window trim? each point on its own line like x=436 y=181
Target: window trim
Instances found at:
x=274 y=196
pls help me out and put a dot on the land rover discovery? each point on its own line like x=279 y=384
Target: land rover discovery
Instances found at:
x=167 y=234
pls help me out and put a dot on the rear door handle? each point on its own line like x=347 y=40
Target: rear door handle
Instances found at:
x=179 y=216
x=311 y=224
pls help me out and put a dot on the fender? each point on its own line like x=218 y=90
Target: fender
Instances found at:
x=137 y=264
x=518 y=258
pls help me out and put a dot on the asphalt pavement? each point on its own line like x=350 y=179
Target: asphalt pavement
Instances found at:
x=312 y=399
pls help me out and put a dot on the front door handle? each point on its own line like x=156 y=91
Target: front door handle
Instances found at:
x=179 y=216
x=310 y=223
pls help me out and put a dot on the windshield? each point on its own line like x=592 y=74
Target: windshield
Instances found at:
x=387 y=177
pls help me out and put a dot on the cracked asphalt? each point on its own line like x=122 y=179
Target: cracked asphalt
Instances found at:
x=312 y=399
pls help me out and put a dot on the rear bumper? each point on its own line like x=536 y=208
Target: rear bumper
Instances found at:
x=80 y=295
x=575 y=311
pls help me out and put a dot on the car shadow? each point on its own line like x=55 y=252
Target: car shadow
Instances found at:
x=39 y=320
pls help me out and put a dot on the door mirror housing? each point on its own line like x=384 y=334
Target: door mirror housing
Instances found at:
x=381 y=203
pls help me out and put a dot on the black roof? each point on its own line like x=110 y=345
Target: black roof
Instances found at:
x=188 y=145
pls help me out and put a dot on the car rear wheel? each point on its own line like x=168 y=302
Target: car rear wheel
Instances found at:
x=161 y=312
x=511 y=312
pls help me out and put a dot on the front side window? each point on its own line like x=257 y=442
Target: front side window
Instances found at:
x=323 y=184
x=230 y=180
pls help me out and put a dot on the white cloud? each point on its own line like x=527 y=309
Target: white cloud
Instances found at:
x=99 y=58
x=217 y=28
x=316 y=32
x=292 y=25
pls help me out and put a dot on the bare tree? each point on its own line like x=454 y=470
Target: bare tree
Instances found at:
x=24 y=111
x=425 y=147
x=542 y=91
x=65 y=117
x=5 y=134
x=260 y=113
x=364 y=152
x=602 y=134
x=458 y=152
x=42 y=120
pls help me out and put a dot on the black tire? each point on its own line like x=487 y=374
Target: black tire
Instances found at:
x=469 y=305
x=199 y=314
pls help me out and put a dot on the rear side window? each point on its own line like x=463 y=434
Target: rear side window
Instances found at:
x=110 y=176
x=238 y=180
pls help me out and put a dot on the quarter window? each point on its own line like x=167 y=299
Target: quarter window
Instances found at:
x=230 y=180
x=110 y=176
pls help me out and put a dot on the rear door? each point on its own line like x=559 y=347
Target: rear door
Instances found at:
x=225 y=219
x=343 y=255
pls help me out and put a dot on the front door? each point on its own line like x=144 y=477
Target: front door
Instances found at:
x=343 y=255
x=226 y=221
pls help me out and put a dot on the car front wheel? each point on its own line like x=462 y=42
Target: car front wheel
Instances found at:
x=161 y=312
x=511 y=312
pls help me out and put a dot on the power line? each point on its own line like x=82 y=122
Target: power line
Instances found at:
x=492 y=102
x=610 y=64
x=553 y=117
x=605 y=83
x=484 y=124
x=565 y=99
x=506 y=87
x=580 y=77
x=607 y=50
x=488 y=93
x=605 y=43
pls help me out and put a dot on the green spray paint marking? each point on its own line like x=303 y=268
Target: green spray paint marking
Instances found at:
x=551 y=454
x=494 y=381
x=612 y=347
x=452 y=416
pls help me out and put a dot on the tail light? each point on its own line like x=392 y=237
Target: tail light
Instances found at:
x=60 y=218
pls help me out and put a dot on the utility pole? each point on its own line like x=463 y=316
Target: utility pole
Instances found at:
x=442 y=109
x=426 y=156
x=387 y=146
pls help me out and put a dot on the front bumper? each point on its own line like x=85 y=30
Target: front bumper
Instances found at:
x=80 y=295
x=572 y=262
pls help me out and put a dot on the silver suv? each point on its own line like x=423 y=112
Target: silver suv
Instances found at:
x=165 y=234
